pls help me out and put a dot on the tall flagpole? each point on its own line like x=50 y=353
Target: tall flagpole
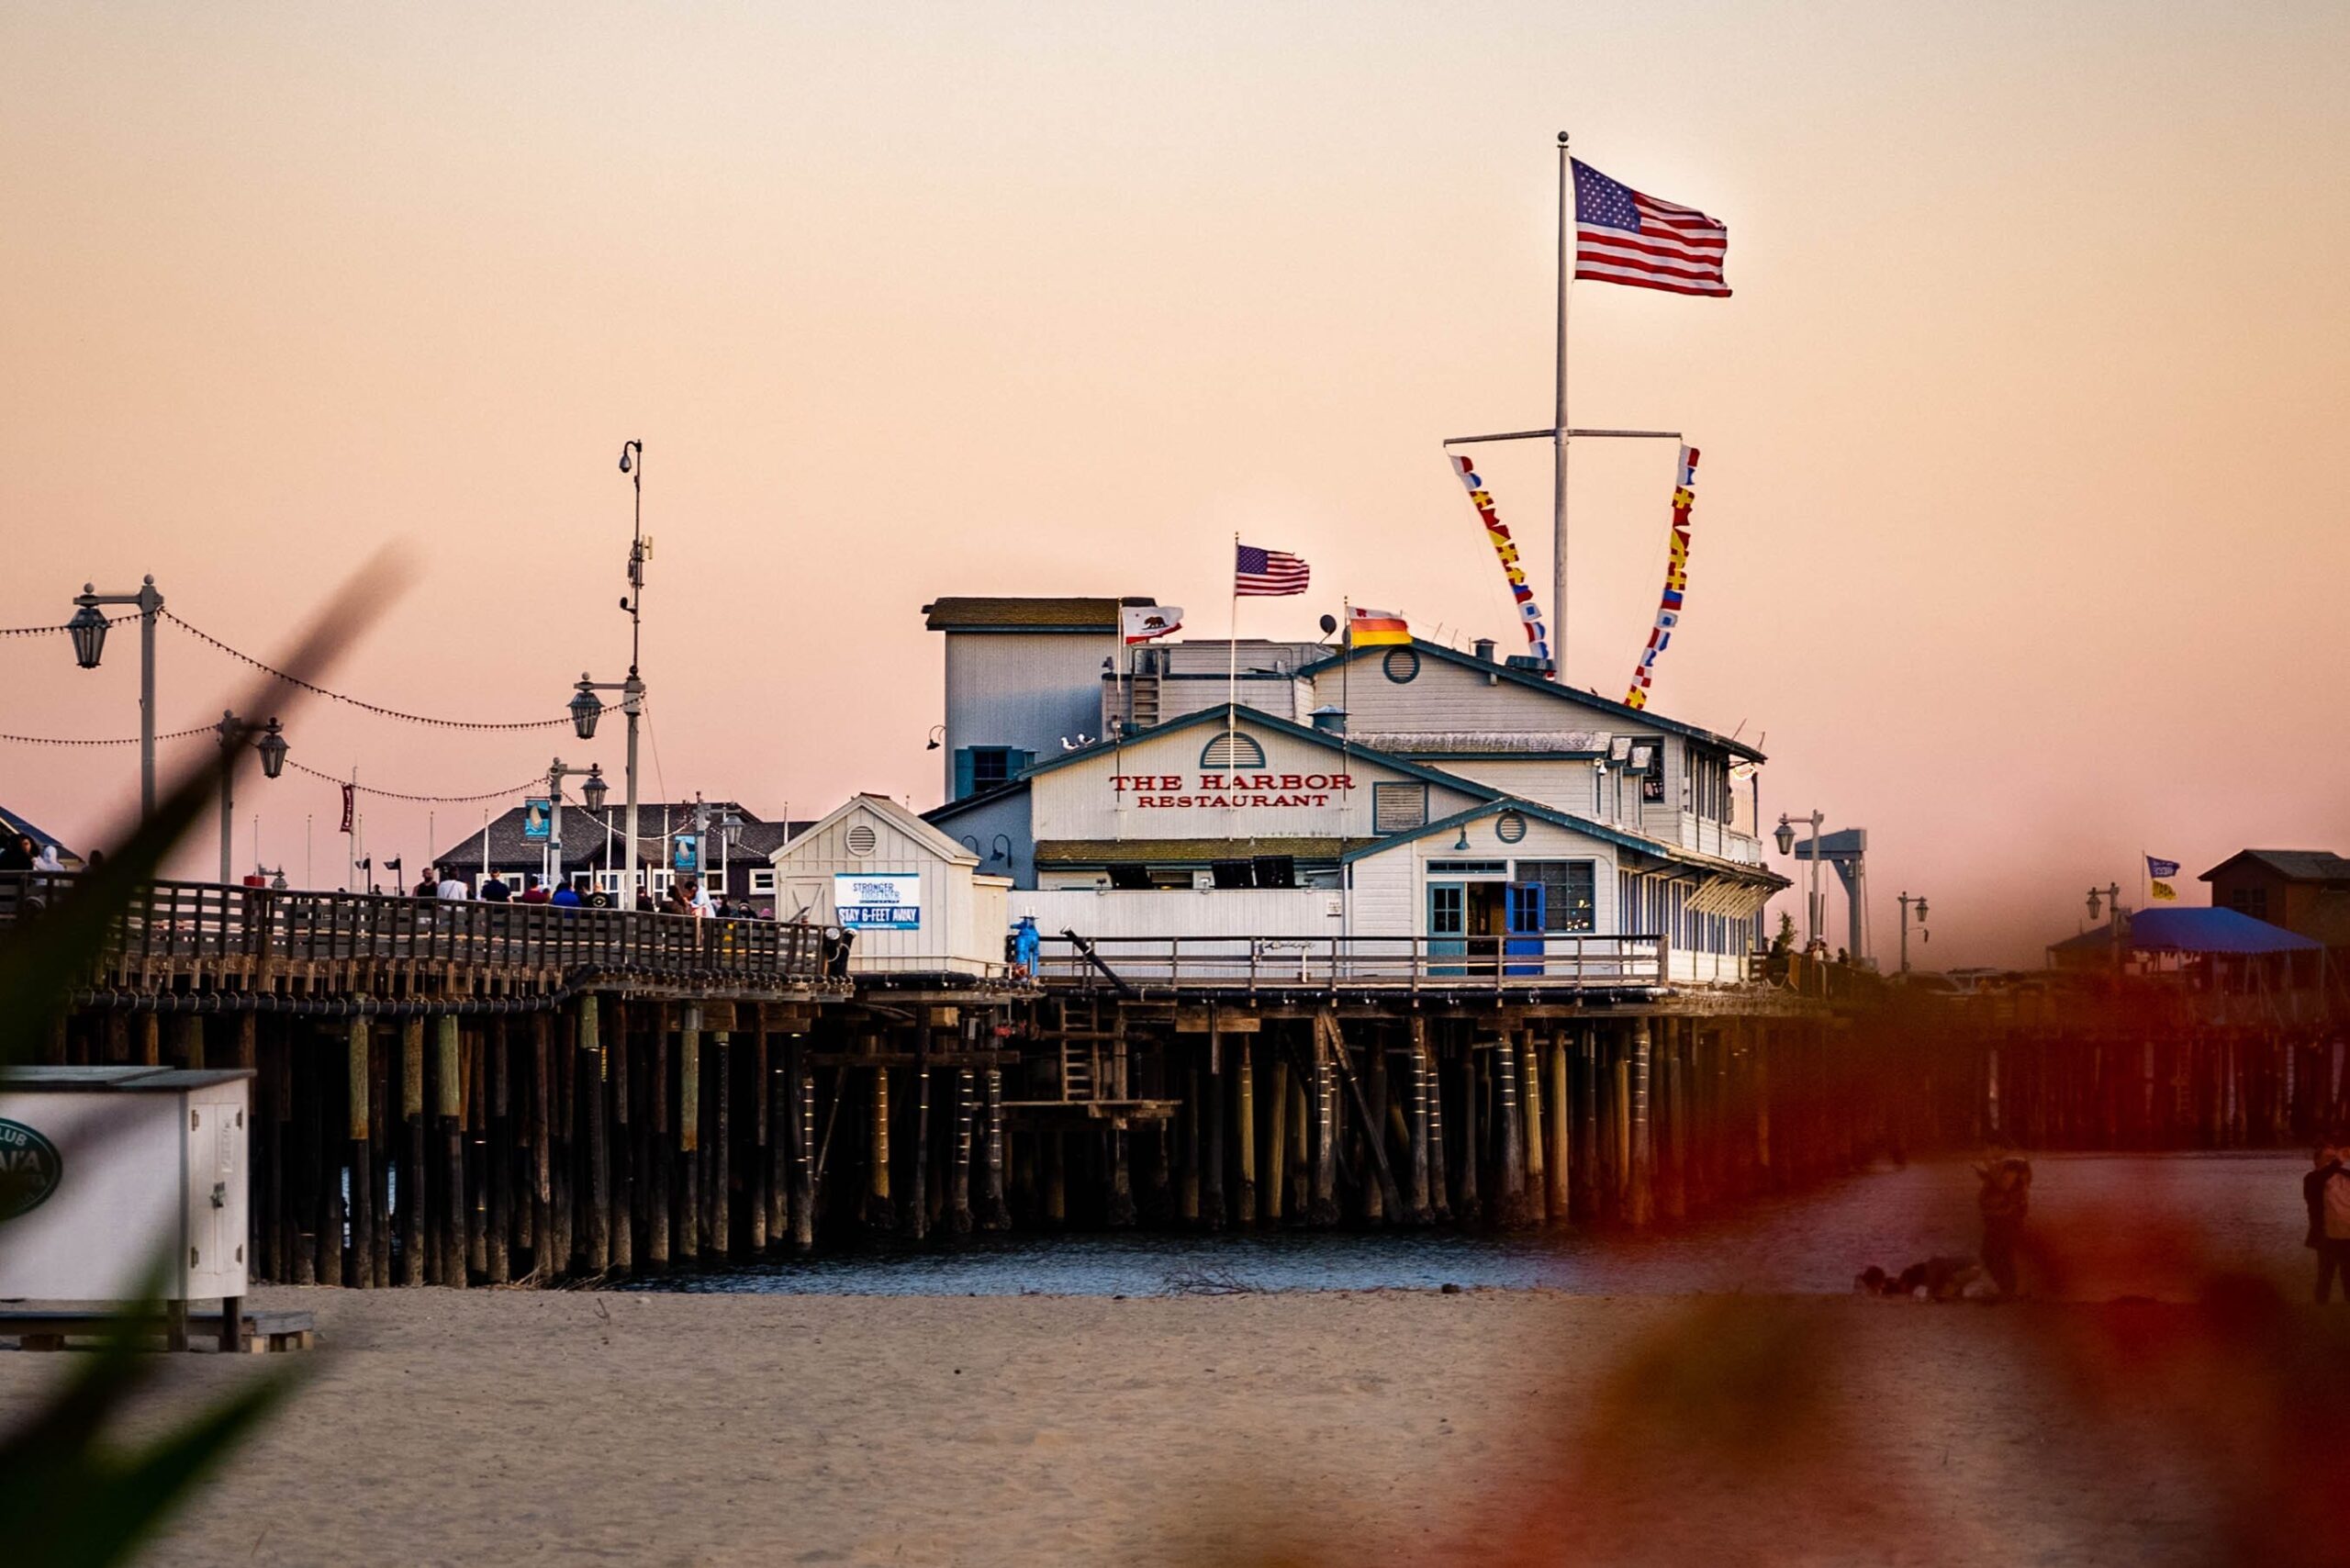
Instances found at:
x=1559 y=425
x=1232 y=677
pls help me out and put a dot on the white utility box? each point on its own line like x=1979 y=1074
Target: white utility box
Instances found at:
x=107 y=1172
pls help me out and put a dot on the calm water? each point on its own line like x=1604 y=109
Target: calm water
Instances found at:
x=2121 y=1225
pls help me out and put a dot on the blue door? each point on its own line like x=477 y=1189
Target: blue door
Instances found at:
x=1526 y=911
x=1448 y=927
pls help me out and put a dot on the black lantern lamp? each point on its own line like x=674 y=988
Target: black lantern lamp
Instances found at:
x=595 y=790
x=88 y=630
x=585 y=710
x=272 y=747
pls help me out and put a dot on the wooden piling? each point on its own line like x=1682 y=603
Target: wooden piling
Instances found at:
x=1276 y=1138
x=1211 y=1152
x=958 y=1175
x=1561 y=1160
x=543 y=1261
x=1243 y=1080
x=1421 y=1210
x=658 y=1245
x=685 y=1234
x=1326 y=1040
x=1641 y=1209
x=1672 y=1059
x=718 y=1200
x=476 y=1127
x=759 y=1217
x=1466 y=1205
x=449 y=1067
x=1374 y=1134
x=877 y=1208
x=360 y=1076
x=996 y=1214
x=593 y=1095
x=1529 y=1102
x=916 y=1206
x=412 y=1209
x=630 y=1147
x=499 y=1176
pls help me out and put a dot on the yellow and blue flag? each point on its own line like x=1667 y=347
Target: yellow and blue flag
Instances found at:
x=2159 y=875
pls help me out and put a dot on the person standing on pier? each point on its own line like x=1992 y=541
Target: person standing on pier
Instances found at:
x=2005 y=1198
x=2326 y=1191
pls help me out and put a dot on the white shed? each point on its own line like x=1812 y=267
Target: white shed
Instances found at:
x=915 y=898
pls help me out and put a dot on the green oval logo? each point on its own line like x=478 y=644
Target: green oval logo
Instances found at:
x=29 y=1169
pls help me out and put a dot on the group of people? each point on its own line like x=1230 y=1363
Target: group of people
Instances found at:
x=22 y=852
x=686 y=895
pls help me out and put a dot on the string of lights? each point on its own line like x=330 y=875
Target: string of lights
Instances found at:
x=508 y=793
x=58 y=629
x=559 y=721
x=126 y=740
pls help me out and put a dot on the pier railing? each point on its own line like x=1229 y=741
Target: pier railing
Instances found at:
x=174 y=925
x=1402 y=963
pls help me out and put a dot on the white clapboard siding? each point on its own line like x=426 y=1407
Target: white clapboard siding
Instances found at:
x=962 y=917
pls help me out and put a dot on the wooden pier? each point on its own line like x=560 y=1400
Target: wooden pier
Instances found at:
x=481 y=1094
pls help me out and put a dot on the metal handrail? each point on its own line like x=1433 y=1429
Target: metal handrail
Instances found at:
x=1254 y=962
x=167 y=921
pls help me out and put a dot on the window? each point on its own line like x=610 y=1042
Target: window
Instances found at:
x=1233 y=750
x=1468 y=868
x=1401 y=665
x=1509 y=827
x=1569 y=892
x=1398 y=807
x=978 y=767
x=762 y=880
x=2252 y=902
x=1648 y=761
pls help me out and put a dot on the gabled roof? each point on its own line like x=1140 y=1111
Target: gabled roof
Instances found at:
x=1239 y=712
x=1643 y=718
x=986 y=796
x=1603 y=832
x=587 y=835
x=896 y=816
x=2293 y=865
x=982 y=614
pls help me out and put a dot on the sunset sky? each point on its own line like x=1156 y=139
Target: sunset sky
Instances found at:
x=2018 y=538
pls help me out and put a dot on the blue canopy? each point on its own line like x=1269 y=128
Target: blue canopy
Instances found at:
x=2211 y=931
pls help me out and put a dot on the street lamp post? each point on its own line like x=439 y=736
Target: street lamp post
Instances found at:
x=88 y=630
x=585 y=709
x=1904 y=900
x=2110 y=895
x=592 y=792
x=234 y=732
x=1785 y=834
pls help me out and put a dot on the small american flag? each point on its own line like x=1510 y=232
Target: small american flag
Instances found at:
x=1268 y=574
x=1622 y=236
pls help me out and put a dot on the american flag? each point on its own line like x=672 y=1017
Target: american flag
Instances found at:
x=1268 y=574
x=1622 y=236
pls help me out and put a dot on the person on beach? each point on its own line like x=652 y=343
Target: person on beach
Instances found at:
x=2004 y=1199
x=2326 y=1191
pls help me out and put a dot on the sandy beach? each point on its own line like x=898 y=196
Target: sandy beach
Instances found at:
x=444 y=1427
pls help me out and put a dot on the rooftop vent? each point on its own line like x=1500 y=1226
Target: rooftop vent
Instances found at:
x=1484 y=646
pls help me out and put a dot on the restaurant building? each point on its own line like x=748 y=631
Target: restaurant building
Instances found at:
x=1409 y=803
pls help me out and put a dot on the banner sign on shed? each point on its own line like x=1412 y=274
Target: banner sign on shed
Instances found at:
x=538 y=816
x=885 y=902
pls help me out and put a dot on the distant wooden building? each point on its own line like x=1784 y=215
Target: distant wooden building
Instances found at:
x=2306 y=892
x=736 y=867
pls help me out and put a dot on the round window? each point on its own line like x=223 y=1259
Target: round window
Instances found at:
x=1509 y=827
x=861 y=840
x=1401 y=664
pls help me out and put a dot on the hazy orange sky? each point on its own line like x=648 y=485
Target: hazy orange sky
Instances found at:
x=2018 y=535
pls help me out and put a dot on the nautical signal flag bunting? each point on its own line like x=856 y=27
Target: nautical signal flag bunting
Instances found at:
x=1268 y=574
x=1622 y=236
x=1375 y=628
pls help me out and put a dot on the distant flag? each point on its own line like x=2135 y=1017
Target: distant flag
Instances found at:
x=1268 y=574
x=1624 y=236
x=2158 y=880
x=349 y=792
x=1143 y=622
x=1375 y=628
